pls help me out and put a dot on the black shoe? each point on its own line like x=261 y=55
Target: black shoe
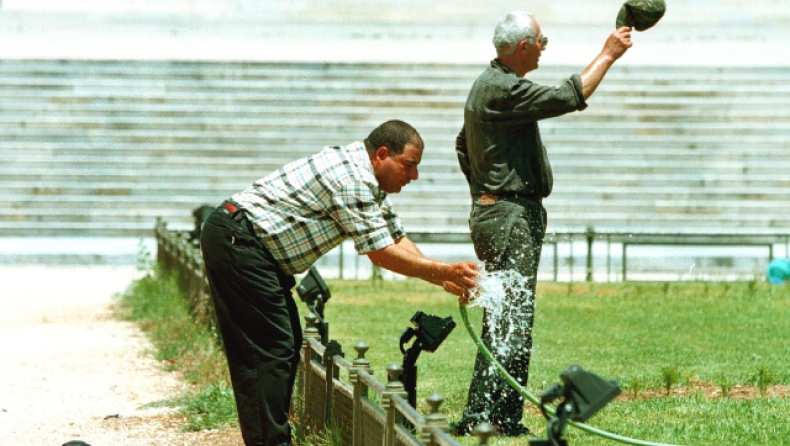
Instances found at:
x=514 y=430
x=463 y=428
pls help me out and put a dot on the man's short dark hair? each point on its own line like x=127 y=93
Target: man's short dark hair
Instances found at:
x=394 y=135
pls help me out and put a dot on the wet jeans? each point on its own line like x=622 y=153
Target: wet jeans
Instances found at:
x=507 y=235
x=259 y=323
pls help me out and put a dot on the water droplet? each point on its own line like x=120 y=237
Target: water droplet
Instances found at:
x=507 y=300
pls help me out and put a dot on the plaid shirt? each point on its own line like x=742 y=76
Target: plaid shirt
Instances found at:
x=310 y=206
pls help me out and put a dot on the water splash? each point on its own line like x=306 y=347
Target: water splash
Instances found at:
x=501 y=294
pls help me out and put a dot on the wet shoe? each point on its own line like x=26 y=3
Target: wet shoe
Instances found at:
x=515 y=430
x=463 y=428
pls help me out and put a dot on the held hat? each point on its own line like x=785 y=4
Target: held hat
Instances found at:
x=641 y=14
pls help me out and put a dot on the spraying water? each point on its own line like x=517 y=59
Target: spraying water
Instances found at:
x=502 y=294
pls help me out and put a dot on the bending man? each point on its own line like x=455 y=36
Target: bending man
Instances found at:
x=259 y=238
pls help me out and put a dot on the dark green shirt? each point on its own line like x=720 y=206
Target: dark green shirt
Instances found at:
x=499 y=147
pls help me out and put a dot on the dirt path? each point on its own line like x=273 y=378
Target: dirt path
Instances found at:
x=70 y=371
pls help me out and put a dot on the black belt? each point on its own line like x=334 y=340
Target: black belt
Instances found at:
x=522 y=196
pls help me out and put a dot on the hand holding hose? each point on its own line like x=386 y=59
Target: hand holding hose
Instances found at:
x=464 y=277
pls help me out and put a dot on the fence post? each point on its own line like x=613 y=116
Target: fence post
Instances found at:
x=205 y=288
x=590 y=237
x=340 y=264
x=182 y=259
x=484 y=431
x=310 y=332
x=192 y=268
x=394 y=387
x=360 y=390
x=625 y=261
x=169 y=250
x=434 y=420
x=159 y=232
x=332 y=349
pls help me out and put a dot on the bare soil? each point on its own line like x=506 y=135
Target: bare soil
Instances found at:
x=71 y=371
x=711 y=391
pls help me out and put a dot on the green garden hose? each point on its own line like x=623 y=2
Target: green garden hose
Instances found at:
x=534 y=400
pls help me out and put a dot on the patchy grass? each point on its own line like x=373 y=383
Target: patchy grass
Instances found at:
x=158 y=305
x=699 y=363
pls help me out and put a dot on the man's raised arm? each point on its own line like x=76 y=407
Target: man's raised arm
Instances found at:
x=616 y=45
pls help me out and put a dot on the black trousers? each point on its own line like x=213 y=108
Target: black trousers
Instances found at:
x=259 y=324
x=507 y=235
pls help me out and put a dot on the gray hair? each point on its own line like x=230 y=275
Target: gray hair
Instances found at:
x=512 y=28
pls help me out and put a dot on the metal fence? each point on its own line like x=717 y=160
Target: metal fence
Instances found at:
x=613 y=264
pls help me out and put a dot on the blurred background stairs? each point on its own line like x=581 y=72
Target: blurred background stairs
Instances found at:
x=113 y=114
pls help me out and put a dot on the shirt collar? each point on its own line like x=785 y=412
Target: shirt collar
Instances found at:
x=496 y=63
x=360 y=153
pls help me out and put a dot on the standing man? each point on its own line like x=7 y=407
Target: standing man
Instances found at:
x=504 y=161
x=258 y=239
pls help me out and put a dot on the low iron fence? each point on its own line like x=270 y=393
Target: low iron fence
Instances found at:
x=360 y=409
x=768 y=240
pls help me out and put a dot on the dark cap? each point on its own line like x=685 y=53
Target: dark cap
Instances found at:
x=641 y=14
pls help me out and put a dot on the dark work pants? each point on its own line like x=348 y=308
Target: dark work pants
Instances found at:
x=507 y=235
x=259 y=325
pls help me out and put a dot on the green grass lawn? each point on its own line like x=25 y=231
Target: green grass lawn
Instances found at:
x=649 y=337
x=666 y=344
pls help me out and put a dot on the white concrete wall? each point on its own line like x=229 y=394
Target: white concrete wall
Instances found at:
x=717 y=32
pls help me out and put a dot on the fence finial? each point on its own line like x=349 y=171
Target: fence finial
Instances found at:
x=391 y=389
x=361 y=362
x=484 y=431
x=394 y=371
x=434 y=419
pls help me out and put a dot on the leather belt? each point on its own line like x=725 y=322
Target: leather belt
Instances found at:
x=486 y=198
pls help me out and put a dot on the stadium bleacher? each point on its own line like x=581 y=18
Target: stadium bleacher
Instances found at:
x=114 y=114
x=102 y=148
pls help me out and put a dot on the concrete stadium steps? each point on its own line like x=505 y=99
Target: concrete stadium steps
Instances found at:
x=95 y=148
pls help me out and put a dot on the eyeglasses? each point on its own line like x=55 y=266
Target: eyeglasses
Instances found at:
x=543 y=40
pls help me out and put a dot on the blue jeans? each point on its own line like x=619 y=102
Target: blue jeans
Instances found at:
x=507 y=235
x=259 y=324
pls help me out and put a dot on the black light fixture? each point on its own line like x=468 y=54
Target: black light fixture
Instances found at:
x=314 y=292
x=584 y=393
x=200 y=215
x=430 y=331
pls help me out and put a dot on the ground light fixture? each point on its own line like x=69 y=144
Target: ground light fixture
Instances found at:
x=584 y=394
x=428 y=332
x=315 y=293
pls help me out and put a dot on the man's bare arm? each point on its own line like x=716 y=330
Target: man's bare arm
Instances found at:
x=406 y=243
x=403 y=260
x=616 y=45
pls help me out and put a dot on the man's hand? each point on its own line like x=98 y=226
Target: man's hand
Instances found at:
x=618 y=43
x=454 y=289
x=464 y=274
x=463 y=277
